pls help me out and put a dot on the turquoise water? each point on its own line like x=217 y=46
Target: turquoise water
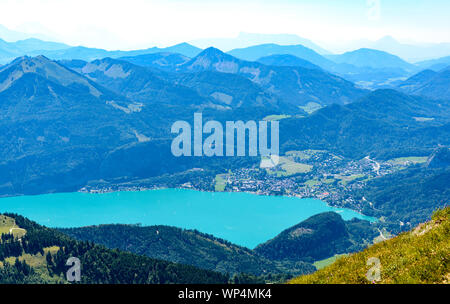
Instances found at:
x=241 y=218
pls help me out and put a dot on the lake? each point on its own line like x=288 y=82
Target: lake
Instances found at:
x=241 y=218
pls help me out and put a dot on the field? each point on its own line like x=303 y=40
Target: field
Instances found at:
x=324 y=263
x=221 y=182
x=276 y=117
x=409 y=160
x=287 y=167
x=312 y=182
x=423 y=119
x=305 y=155
x=311 y=107
x=346 y=179
x=8 y=225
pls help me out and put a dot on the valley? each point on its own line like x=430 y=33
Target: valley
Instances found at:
x=87 y=167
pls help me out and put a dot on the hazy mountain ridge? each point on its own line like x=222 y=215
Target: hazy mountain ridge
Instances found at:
x=287 y=60
x=295 y=85
x=366 y=67
x=11 y=50
x=164 y=61
x=428 y=83
x=57 y=51
x=244 y=40
x=435 y=64
x=373 y=59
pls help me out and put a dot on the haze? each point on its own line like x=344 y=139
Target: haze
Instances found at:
x=132 y=24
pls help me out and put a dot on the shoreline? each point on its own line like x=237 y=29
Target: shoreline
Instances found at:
x=84 y=190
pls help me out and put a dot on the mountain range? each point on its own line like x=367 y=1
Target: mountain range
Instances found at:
x=397 y=123
x=366 y=67
x=72 y=117
x=163 y=61
x=295 y=85
x=412 y=51
x=80 y=121
x=435 y=64
x=58 y=51
x=287 y=60
x=244 y=40
x=372 y=59
x=428 y=83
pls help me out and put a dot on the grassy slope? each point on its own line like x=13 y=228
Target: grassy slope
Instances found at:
x=8 y=225
x=420 y=256
x=37 y=261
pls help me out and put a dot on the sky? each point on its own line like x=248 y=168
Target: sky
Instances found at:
x=132 y=24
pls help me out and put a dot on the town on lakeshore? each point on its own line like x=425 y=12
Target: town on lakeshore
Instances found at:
x=304 y=174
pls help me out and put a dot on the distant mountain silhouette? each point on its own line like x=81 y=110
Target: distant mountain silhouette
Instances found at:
x=368 y=68
x=253 y=53
x=287 y=60
x=11 y=50
x=435 y=64
x=55 y=51
x=412 y=52
x=373 y=59
x=244 y=40
x=429 y=83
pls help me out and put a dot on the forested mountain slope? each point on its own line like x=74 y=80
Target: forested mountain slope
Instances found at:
x=420 y=256
x=34 y=254
x=186 y=247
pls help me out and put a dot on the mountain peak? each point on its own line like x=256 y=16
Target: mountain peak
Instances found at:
x=46 y=68
x=214 y=55
x=211 y=51
x=183 y=44
x=29 y=64
x=367 y=57
x=387 y=39
x=213 y=58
